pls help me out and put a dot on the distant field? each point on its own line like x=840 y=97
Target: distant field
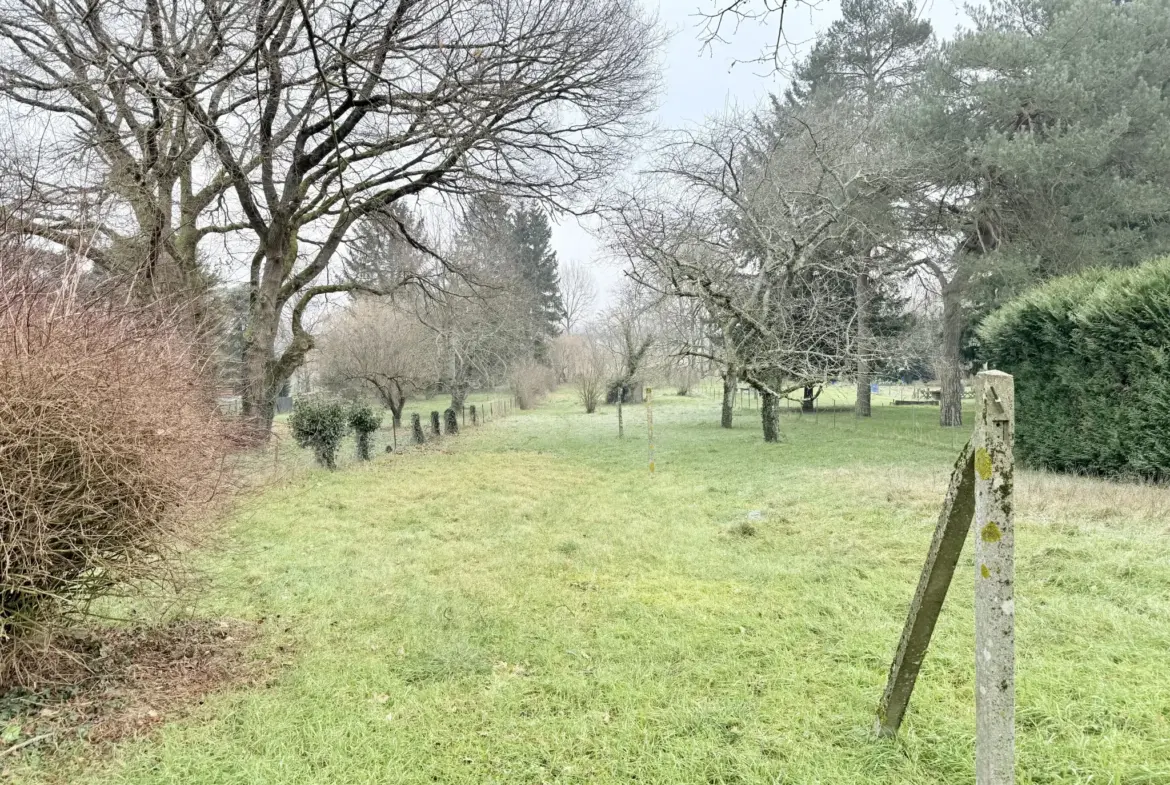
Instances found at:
x=527 y=604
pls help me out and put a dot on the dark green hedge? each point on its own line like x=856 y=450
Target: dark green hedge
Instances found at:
x=1091 y=359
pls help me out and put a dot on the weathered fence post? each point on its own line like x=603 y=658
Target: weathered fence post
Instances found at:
x=416 y=428
x=435 y=424
x=981 y=488
x=994 y=578
x=473 y=420
x=451 y=425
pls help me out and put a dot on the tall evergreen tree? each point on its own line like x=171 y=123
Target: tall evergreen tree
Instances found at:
x=536 y=263
x=1042 y=135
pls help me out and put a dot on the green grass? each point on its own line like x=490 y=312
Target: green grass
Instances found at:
x=529 y=605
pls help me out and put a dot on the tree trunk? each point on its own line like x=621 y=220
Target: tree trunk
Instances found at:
x=730 y=382
x=262 y=372
x=950 y=369
x=258 y=396
x=459 y=391
x=770 y=416
x=808 y=402
x=862 y=409
x=363 y=445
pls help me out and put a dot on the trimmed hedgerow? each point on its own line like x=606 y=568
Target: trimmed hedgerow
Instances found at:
x=1091 y=359
x=364 y=421
x=320 y=425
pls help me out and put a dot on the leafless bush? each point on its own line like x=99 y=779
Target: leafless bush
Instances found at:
x=109 y=444
x=531 y=381
x=589 y=377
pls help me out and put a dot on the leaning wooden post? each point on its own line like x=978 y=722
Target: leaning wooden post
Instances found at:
x=995 y=616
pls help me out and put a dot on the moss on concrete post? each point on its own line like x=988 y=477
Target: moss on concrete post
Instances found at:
x=416 y=428
x=435 y=427
x=994 y=580
x=450 y=423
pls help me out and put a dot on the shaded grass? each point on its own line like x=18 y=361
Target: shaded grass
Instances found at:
x=528 y=604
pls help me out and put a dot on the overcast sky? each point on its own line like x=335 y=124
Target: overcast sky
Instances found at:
x=699 y=83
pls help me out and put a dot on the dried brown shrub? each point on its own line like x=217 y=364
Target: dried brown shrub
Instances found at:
x=531 y=382
x=110 y=446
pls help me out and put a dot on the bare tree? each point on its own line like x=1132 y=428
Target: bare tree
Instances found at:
x=591 y=370
x=625 y=331
x=757 y=220
x=578 y=293
x=282 y=124
x=685 y=339
x=377 y=346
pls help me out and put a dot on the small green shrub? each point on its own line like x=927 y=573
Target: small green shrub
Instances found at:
x=364 y=421
x=320 y=425
x=1091 y=359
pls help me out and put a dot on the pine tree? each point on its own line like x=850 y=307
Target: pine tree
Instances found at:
x=536 y=263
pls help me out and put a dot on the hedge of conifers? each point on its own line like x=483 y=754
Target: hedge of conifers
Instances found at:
x=1091 y=359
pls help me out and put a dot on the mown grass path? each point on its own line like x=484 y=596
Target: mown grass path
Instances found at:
x=531 y=606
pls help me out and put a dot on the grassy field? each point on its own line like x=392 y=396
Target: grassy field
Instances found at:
x=527 y=604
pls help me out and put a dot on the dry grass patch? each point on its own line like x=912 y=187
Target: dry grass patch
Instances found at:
x=110 y=684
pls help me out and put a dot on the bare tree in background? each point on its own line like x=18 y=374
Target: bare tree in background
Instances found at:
x=625 y=331
x=282 y=124
x=751 y=218
x=592 y=368
x=376 y=346
x=578 y=294
x=685 y=341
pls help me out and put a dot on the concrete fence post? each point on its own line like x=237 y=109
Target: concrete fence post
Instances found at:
x=435 y=424
x=994 y=580
x=416 y=428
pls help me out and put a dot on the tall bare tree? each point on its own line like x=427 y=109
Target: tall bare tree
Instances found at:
x=578 y=294
x=283 y=123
